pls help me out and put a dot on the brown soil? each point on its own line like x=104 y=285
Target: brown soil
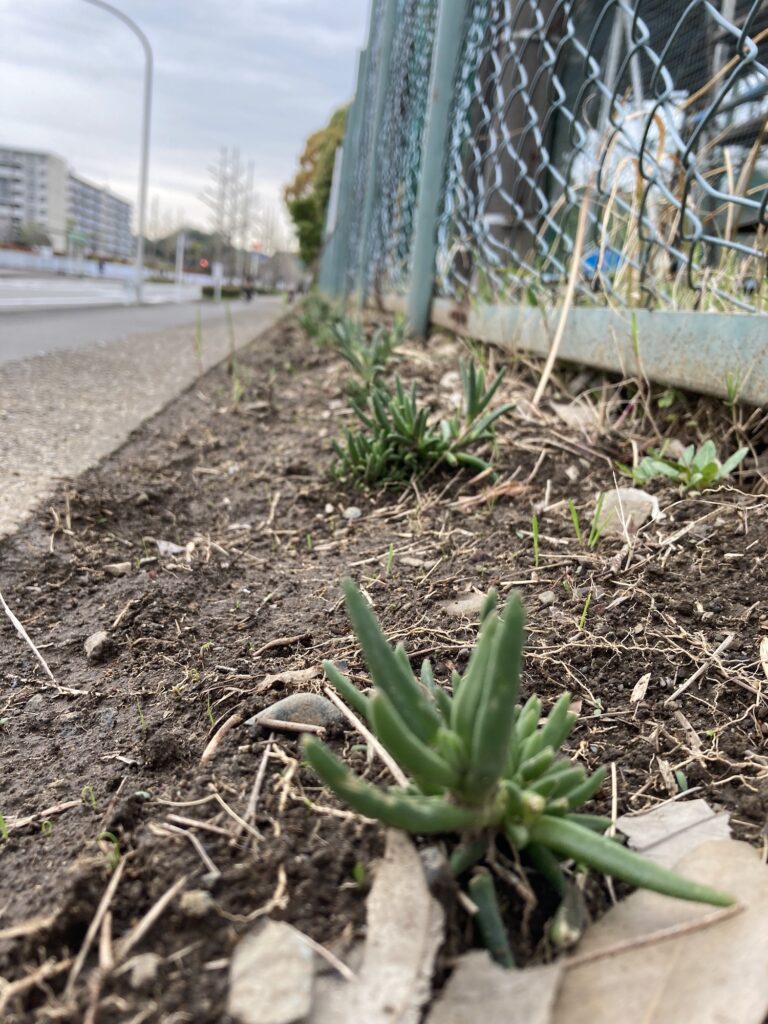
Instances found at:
x=115 y=746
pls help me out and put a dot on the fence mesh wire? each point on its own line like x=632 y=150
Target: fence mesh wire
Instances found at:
x=399 y=148
x=650 y=117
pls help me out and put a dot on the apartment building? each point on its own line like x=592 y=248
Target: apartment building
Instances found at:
x=101 y=217
x=34 y=191
x=38 y=189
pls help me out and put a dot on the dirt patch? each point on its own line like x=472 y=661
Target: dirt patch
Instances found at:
x=245 y=587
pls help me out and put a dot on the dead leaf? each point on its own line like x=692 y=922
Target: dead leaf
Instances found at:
x=404 y=932
x=289 y=675
x=580 y=414
x=481 y=992
x=713 y=974
x=669 y=832
x=641 y=686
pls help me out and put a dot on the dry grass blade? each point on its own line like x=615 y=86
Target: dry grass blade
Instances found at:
x=389 y=761
x=573 y=277
x=94 y=926
x=137 y=933
x=25 y=637
x=701 y=669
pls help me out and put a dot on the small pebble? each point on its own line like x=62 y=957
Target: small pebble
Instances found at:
x=547 y=598
x=352 y=513
x=117 y=568
x=144 y=969
x=329 y=509
x=196 y=903
x=98 y=645
x=306 y=708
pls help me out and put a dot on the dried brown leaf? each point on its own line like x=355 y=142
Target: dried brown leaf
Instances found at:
x=404 y=932
x=714 y=973
x=669 y=832
x=481 y=992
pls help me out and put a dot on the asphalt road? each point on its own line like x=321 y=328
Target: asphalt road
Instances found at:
x=63 y=411
x=31 y=333
x=48 y=291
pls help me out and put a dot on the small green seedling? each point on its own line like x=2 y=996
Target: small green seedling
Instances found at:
x=88 y=796
x=114 y=855
x=46 y=828
x=368 y=359
x=696 y=469
x=576 y=521
x=398 y=438
x=480 y=765
x=595 y=526
x=199 y=344
x=390 y=560
x=535 y=535
x=211 y=716
x=583 y=618
x=3 y=828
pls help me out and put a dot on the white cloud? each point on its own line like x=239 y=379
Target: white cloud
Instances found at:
x=257 y=74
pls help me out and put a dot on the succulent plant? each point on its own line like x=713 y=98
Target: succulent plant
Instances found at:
x=479 y=763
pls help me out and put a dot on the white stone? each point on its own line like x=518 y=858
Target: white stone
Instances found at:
x=271 y=976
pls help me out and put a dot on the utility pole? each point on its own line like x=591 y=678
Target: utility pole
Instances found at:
x=145 y=125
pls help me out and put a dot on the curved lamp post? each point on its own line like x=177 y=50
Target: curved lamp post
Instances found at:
x=144 y=136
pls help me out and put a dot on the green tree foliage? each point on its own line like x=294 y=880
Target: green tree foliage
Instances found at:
x=307 y=195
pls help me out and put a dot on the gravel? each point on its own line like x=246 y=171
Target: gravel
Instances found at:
x=62 y=412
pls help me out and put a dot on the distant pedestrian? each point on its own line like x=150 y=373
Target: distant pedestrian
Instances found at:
x=102 y=267
x=248 y=288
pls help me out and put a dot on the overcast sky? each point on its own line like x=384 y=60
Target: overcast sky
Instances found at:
x=258 y=74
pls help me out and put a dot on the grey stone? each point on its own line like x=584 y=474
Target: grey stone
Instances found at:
x=271 y=976
x=143 y=969
x=352 y=513
x=117 y=568
x=98 y=645
x=547 y=597
x=625 y=509
x=306 y=708
x=465 y=606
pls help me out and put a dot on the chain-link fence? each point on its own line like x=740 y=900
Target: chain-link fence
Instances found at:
x=647 y=118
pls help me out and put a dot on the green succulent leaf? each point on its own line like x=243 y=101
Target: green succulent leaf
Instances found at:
x=387 y=669
x=418 y=759
x=569 y=839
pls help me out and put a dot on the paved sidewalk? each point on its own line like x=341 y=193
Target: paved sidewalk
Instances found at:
x=62 y=412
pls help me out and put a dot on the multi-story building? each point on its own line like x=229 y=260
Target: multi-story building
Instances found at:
x=102 y=218
x=39 y=191
x=34 y=192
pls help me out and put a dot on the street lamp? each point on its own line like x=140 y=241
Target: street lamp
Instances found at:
x=144 y=136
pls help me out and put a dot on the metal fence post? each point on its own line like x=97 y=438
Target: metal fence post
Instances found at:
x=330 y=238
x=382 y=84
x=449 y=35
x=335 y=260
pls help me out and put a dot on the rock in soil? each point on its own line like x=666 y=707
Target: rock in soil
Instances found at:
x=627 y=505
x=98 y=645
x=118 y=568
x=306 y=708
x=271 y=976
